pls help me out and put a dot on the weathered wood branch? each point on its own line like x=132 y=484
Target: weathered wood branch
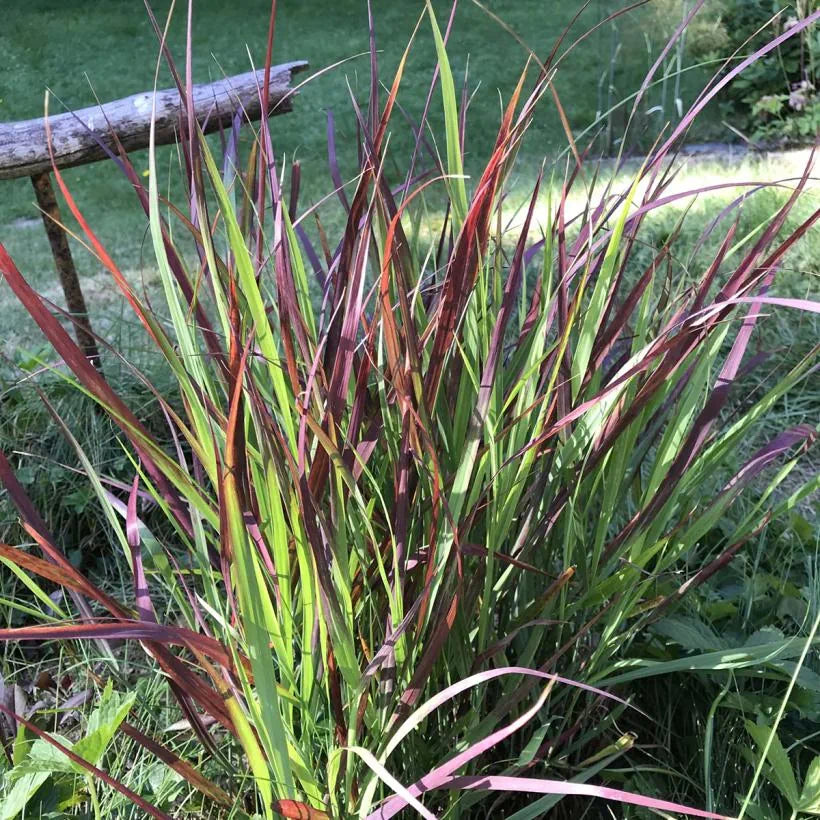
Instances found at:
x=75 y=135
x=60 y=250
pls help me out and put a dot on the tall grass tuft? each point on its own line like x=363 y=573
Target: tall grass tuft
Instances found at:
x=428 y=485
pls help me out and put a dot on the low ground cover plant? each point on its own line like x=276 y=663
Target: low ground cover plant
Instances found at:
x=423 y=524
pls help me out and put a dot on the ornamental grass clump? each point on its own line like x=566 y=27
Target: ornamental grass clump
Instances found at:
x=426 y=488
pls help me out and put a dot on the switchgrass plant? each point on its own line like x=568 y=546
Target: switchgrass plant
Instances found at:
x=426 y=496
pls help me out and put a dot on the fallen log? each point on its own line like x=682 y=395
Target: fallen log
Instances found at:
x=76 y=135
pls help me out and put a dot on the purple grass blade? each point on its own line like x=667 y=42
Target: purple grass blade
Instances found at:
x=801 y=434
x=132 y=528
x=482 y=677
x=562 y=787
x=807 y=305
x=396 y=804
x=333 y=162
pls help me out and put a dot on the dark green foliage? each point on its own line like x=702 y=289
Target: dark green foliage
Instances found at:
x=775 y=101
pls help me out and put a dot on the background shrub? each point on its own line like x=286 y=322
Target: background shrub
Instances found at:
x=775 y=102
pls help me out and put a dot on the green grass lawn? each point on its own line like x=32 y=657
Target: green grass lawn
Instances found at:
x=79 y=49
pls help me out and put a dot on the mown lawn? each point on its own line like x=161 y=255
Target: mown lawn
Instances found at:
x=79 y=49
